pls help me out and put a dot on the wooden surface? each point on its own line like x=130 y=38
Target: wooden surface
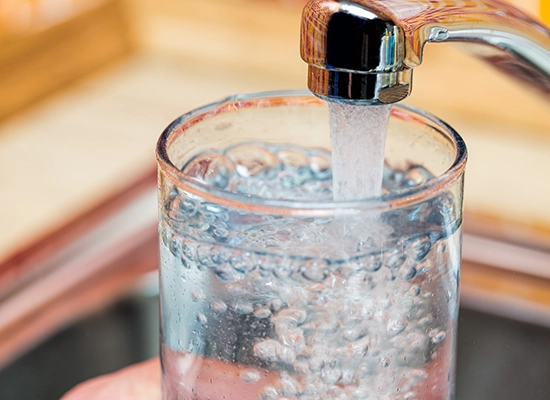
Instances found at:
x=68 y=153
x=44 y=56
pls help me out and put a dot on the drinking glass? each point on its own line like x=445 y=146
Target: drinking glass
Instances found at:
x=271 y=290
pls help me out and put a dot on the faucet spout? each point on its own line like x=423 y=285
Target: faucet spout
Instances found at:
x=364 y=51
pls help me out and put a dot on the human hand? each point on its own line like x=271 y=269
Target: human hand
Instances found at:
x=143 y=382
x=138 y=382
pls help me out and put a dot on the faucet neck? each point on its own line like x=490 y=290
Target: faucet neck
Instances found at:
x=350 y=43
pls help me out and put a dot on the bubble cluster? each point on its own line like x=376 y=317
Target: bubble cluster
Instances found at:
x=341 y=309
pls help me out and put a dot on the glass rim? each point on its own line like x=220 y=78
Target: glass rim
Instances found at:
x=395 y=200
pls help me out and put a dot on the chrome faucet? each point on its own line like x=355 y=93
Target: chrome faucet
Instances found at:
x=364 y=51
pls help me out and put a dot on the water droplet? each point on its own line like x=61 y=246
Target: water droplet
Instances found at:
x=250 y=375
x=197 y=295
x=202 y=318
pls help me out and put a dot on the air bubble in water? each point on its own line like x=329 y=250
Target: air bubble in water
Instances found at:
x=291 y=317
x=385 y=362
x=173 y=245
x=262 y=313
x=358 y=348
x=331 y=376
x=197 y=295
x=251 y=159
x=353 y=334
x=243 y=307
x=394 y=259
x=250 y=375
x=396 y=326
x=292 y=158
x=409 y=273
x=437 y=336
x=219 y=306
x=418 y=375
x=419 y=248
x=220 y=233
x=212 y=168
x=243 y=263
x=276 y=304
x=320 y=166
x=287 y=355
x=288 y=386
x=416 y=176
x=315 y=272
x=292 y=338
x=269 y=393
x=372 y=263
x=284 y=269
x=268 y=350
x=410 y=396
x=203 y=255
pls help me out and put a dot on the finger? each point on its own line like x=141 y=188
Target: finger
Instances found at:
x=138 y=382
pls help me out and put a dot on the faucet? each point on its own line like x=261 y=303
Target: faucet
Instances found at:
x=364 y=51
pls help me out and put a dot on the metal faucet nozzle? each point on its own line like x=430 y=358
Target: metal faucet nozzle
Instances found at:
x=364 y=51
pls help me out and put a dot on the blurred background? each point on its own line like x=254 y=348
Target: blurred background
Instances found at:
x=86 y=88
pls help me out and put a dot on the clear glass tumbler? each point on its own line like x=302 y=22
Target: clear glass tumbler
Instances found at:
x=271 y=290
